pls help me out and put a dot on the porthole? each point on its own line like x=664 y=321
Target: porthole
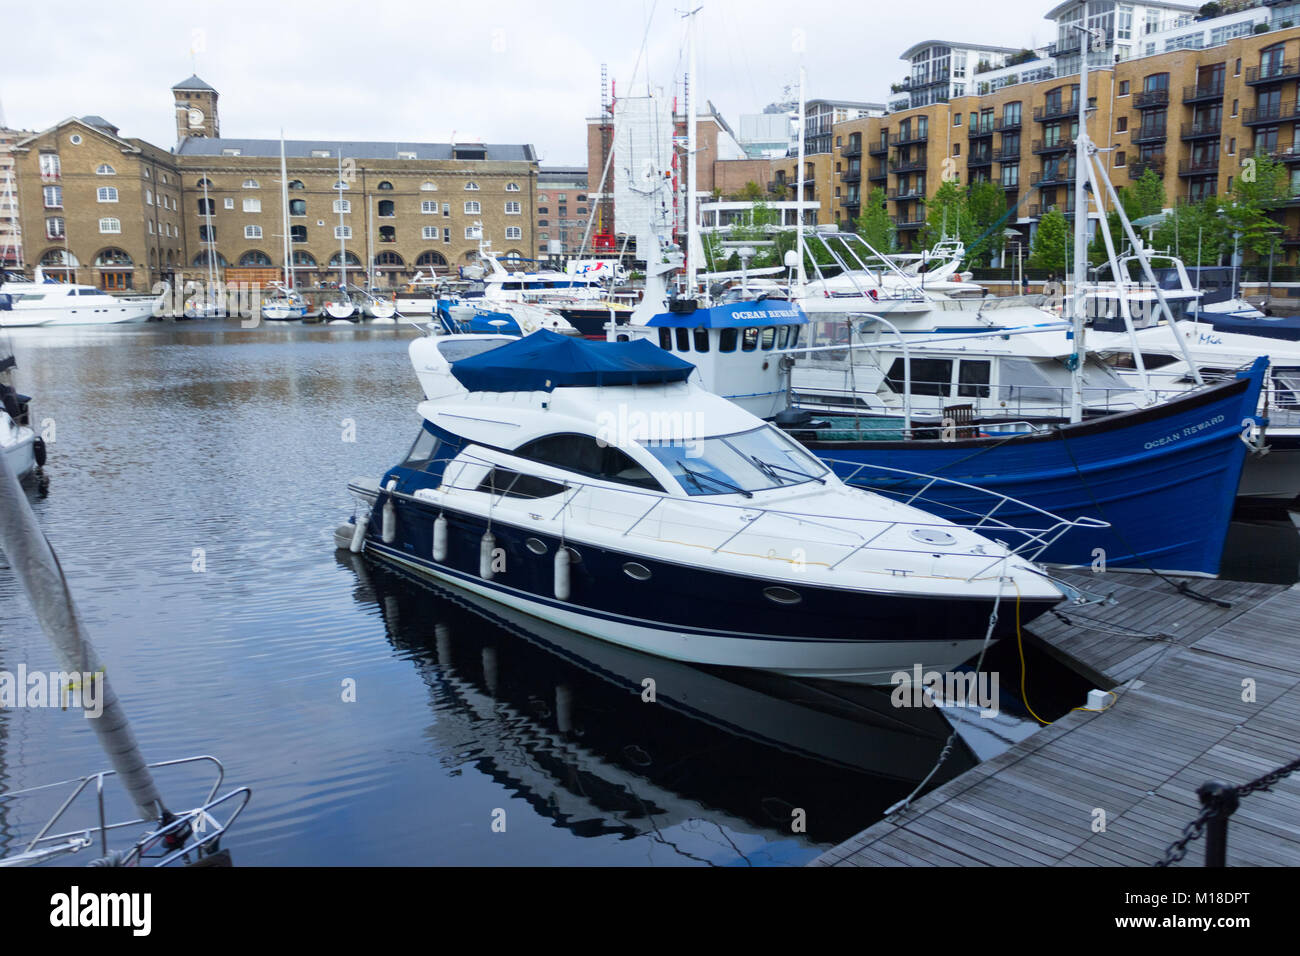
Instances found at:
x=535 y=545
x=782 y=595
x=75 y=139
x=637 y=572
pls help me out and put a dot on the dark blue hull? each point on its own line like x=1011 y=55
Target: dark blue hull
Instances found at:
x=686 y=599
x=1165 y=478
x=1286 y=328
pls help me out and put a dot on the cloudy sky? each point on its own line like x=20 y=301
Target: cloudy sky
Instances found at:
x=501 y=71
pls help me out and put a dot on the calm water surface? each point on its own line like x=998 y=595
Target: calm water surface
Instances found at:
x=181 y=442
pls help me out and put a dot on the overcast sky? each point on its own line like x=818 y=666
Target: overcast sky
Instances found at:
x=503 y=71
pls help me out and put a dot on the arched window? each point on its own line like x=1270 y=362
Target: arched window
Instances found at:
x=251 y=184
x=387 y=209
x=296 y=184
x=297 y=207
x=254 y=257
x=389 y=260
x=103 y=169
x=387 y=234
x=385 y=185
x=471 y=186
x=201 y=260
x=352 y=259
x=514 y=258
x=113 y=257
x=430 y=259
x=204 y=182
x=106 y=194
x=297 y=233
x=110 y=225
x=59 y=259
x=512 y=187
x=341 y=184
x=429 y=187
x=304 y=258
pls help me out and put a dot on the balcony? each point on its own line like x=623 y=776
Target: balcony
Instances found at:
x=852 y=207
x=1058 y=146
x=851 y=176
x=1052 y=111
x=1201 y=130
x=981 y=130
x=906 y=165
x=878 y=174
x=1150 y=99
x=879 y=148
x=1010 y=187
x=1066 y=47
x=977 y=160
x=1005 y=125
x=903 y=193
x=908 y=221
x=1007 y=154
x=1273 y=72
x=1203 y=94
x=1288 y=154
x=776 y=186
x=1276 y=113
x=1150 y=134
x=1198 y=167
x=851 y=150
x=1037 y=212
x=909 y=138
x=51 y=177
x=1135 y=170
x=1052 y=177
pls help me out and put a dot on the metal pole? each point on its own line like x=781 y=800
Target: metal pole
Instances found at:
x=1080 y=229
x=1222 y=800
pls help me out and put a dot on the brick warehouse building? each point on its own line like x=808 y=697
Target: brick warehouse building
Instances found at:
x=1192 y=99
x=123 y=214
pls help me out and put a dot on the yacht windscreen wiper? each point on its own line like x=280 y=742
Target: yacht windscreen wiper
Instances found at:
x=697 y=475
x=771 y=468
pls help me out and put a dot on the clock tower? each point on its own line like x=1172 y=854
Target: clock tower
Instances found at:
x=196 y=109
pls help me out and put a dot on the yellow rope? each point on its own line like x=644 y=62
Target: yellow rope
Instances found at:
x=1020 y=646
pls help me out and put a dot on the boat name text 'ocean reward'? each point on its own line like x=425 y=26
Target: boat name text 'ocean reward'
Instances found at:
x=1185 y=433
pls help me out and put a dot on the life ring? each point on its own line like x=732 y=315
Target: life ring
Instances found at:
x=956 y=277
x=875 y=296
x=38 y=450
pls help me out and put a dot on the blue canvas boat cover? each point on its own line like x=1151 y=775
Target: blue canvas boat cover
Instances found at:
x=546 y=360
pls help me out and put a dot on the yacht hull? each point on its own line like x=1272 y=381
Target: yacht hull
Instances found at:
x=1165 y=478
x=694 y=614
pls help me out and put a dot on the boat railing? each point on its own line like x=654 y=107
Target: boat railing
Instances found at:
x=627 y=511
x=186 y=835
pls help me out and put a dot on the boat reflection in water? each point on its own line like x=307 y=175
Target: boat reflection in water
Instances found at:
x=560 y=720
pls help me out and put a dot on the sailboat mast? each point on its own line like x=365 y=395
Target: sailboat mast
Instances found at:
x=798 y=208
x=692 y=197
x=1077 y=308
x=343 y=248
x=284 y=215
x=207 y=217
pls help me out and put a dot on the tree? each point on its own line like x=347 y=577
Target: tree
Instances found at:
x=874 y=224
x=1263 y=186
x=986 y=205
x=1051 y=243
x=1193 y=226
x=752 y=192
x=1147 y=195
x=948 y=215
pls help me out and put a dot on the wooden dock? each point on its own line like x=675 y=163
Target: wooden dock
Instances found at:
x=1180 y=668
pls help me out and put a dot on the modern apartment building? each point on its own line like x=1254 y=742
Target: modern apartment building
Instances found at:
x=562 y=211
x=11 y=235
x=1193 y=99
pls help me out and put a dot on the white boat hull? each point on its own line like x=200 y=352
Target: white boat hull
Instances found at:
x=87 y=315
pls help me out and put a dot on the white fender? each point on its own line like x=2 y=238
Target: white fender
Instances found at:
x=389 y=531
x=440 y=539
x=486 y=545
x=562 y=573
x=359 y=533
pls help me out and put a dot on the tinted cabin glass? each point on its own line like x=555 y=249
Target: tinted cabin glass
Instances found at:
x=511 y=484
x=423 y=452
x=727 y=340
x=583 y=454
x=749 y=340
x=701 y=340
x=929 y=376
x=973 y=379
x=768 y=338
x=683 y=339
x=666 y=339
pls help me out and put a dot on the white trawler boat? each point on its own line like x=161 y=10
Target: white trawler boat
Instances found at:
x=528 y=484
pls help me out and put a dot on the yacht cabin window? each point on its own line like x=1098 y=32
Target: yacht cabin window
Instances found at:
x=512 y=484
x=743 y=463
x=587 y=456
x=727 y=340
x=701 y=340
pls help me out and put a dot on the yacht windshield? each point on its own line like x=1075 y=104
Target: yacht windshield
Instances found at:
x=737 y=464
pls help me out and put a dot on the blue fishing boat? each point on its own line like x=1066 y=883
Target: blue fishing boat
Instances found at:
x=1163 y=478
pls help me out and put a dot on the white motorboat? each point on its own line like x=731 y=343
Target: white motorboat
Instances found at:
x=538 y=480
x=46 y=303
